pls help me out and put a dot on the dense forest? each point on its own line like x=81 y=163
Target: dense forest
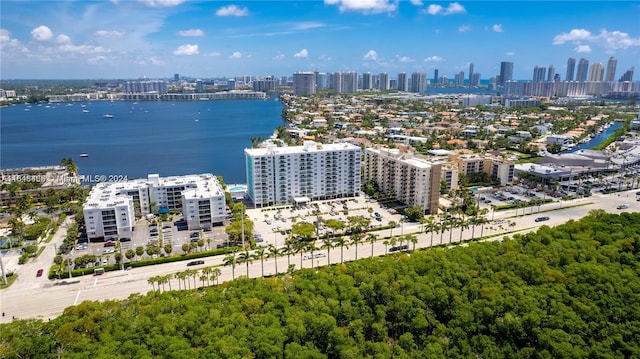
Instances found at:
x=571 y=291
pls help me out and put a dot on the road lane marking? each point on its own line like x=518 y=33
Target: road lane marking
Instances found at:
x=75 y=302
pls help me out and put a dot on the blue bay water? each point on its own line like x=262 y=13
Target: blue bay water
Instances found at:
x=169 y=138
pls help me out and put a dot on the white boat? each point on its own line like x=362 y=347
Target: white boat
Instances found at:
x=107 y=116
x=85 y=111
x=84 y=155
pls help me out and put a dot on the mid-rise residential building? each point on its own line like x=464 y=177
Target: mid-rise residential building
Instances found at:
x=412 y=181
x=110 y=210
x=295 y=174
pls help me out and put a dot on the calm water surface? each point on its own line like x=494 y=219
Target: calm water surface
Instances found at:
x=169 y=138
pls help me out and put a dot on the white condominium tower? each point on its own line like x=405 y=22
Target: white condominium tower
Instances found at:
x=110 y=210
x=313 y=171
x=410 y=180
x=304 y=83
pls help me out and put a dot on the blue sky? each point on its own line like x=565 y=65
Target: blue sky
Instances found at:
x=157 y=38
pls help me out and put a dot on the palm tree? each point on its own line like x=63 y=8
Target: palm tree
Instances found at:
x=152 y=281
x=206 y=271
x=231 y=260
x=462 y=223
x=167 y=279
x=288 y=249
x=430 y=227
x=215 y=274
x=274 y=252
x=311 y=247
x=246 y=258
x=413 y=239
x=260 y=254
x=342 y=243
x=327 y=244
x=193 y=273
x=204 y=277
x=300 y=247
x=355 y=239
x=178 y=276
x=372 y=237
x=386 y=243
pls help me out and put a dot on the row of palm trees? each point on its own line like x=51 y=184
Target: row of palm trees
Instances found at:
x=207 y=274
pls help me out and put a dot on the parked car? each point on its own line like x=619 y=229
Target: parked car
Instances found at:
x=195 y=263
x=109 y=244
x=541 y=219
x=126 y=239
x=622 y=206
x=39 y=273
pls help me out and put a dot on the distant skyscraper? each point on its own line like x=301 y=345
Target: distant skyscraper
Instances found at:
x=418 y=82
x=176 y=77
x=350 y=82
x=471 y=74
x=304 y=83
x=322 y=80
x=551 y=73
x=628 y=76
x=596 y=72
x=611 y=69
x=435 y=76
x=384 y=81
x=583 y=69
x=459 y=78
x=231 y=84
x=571 y=67
x=403 y=82
x=539 y=74
x=366 y=81
x=506 y=72
x=199 y=86
x=475 y=80
x=336 y=82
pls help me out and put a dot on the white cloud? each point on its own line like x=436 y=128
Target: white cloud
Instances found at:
x=303 y=54
x=433 y=58
x=365 y=6
x=453 y=8
x=307 y=25
x=609 y=40
x=497 y=27
x=156 y=61
x=63 y=39
x=279 y=56
x=41 y=33
x=510 y=53
x=83 y=49
x=212 y=54
x=232 y=10
x=186 y=50
x=97 y=59
x=464 y=28
x=416 y=2
x=404 y=59
x=162 y=3
x=236 y=55
x=113 y=34
x=191 y=33
x=573 y=35
x=582 y=49
x=371 y=55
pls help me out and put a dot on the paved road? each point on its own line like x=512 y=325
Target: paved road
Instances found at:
x=31 y=297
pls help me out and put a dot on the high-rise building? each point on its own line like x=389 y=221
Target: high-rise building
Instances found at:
x=367 y=83
x=304 y=83
x=611 y=69
x=176 y=77
x=539 y=74
x=459 y=78
x=418 y=82
x=403 y=82
x=475 y=80
x=596 y=72
x=296 y=174
x=571 y=67
x=322 y=80
x=384 y=81
x=506 y=72
x=551 y=74
x=350 y=82
x=471 y=74
x=583 y=70
x=264 y=84
x=412 y=181
x=336 y=82
x=231 y=84
x=628 y=75
x=435 y=76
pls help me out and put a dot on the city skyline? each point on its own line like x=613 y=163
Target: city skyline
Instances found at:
x=157 y=38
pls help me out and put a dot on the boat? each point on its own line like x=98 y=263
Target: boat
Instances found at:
x=107 y=116
x=85 y=111
x=84 y=155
